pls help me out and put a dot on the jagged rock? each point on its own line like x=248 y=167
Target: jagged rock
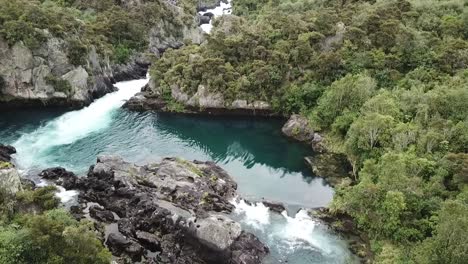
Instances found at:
x=25 y=73
x=119 y=244
x=6 y=152
x=59 y=176
x=10 y=181
x=175 y=207
x=151 y=241
x=274 y=206
x=136 y=68
x=298 y=127
x=203 y=101
x=100 y=214
x=209 y=14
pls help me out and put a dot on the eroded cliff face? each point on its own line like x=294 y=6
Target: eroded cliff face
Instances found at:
x=46 y=76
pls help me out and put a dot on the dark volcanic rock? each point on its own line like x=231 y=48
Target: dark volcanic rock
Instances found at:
x=100 y=214
x=274 y=206
x=6 y=152
x=119 y=244
x=59 y=176
x=174 y=211
x=209 y=14
x=136 y=68
x=204 y=20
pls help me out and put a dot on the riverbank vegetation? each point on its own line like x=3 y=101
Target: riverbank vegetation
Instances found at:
x=34 y=230
x=116 y=28
x=385 y=81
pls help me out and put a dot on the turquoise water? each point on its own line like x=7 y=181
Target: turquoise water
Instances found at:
x=264 y=163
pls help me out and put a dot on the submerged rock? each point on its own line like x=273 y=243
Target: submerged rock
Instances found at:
x=174 y=211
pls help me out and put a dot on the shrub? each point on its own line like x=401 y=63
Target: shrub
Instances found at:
x=77 y=52
x=59 y=84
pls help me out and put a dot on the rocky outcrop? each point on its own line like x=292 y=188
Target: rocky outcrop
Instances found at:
x=298 y=127
x=136 y=68
x=10 y=181
x=46 y=76
x=203 y=101
x=174 y=211
x=333 y=167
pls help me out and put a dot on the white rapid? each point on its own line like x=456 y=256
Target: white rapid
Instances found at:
x=222 y=9
x=293 y=239
x=32 y=148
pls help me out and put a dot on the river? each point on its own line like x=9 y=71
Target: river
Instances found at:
x=264 y=163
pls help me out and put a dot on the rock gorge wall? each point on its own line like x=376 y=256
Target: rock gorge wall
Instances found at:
x=45 y=76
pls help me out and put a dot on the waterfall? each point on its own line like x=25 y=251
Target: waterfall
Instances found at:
x=295 y=239
x=222 y=9
x=32 y=148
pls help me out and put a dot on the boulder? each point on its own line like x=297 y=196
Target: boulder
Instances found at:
x=6 y=152
x=100 y=214
x=298 y=127
x=119 y=244
x=274 y=206
x=59 y=176
x=204 y=19
x=10 y=180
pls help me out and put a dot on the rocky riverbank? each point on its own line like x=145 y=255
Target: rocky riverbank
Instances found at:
x=333 y=167
x=202 y=102
x=174 y=211
x=345 y=225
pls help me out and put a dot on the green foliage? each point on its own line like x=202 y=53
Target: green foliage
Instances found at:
x=59 y=84
x=44 y=197
x=36 y=235
x=77 y=52
x=52 y=237
x=105 y=24
x=122 y=53
x=5 y=165
x=388 y=89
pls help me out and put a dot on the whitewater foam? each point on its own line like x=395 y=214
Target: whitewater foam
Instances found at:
x=222 y=9
x=256 y=215
x=72 y=126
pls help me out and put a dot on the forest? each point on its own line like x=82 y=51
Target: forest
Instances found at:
x=385 y=81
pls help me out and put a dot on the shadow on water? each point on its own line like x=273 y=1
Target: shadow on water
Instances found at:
x=254 y=141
